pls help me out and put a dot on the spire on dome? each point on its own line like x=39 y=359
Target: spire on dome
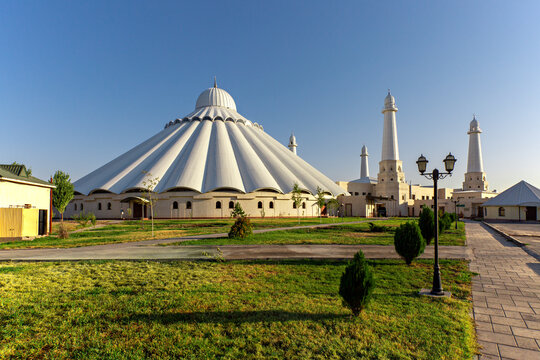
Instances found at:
x=215 y=83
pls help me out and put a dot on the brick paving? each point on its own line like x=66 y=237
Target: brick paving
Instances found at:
x=506 y=296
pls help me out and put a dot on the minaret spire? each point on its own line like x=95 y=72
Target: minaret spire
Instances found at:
x=390 y=149
x=292 y=143
x=215 y=82
x=364 y=167
x=475 y=178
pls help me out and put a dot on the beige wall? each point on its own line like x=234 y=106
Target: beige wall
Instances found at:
x=510 y=213
x=202 y=205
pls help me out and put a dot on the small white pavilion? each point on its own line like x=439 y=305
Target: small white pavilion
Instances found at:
x=520 y=202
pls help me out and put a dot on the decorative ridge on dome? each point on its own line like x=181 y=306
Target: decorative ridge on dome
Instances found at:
x=215 y=96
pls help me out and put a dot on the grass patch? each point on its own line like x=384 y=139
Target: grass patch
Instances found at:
x=351 y=234
x=252 y=310
x=135 y=230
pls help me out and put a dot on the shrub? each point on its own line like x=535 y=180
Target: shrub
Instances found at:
x=62 y=231
x=427 y=224
x=241 y=228
x=445 y=222
x=238 y=211
x=92 y=218
x=408 y=241
x=376 y=228
x=357 y=284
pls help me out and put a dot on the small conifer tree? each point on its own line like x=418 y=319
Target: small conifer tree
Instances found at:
x=427 y=224
x=241 y=228
x=408 y=241
x=357 y=284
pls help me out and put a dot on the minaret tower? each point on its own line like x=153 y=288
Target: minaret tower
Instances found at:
x=475 y=177
x=292 y=143
x=364 y=167
x=390 y=167
x=391 y=183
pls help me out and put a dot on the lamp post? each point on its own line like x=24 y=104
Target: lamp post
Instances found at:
x=449 y=162
x=456 y=202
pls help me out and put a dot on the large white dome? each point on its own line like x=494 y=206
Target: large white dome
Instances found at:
x=212 y=148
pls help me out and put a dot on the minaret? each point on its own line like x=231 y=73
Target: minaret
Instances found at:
x=475 y=177
x=390 y=167
x=364 y=167
x=292 y=143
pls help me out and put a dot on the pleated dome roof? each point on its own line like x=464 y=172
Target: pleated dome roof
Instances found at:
x=212 y=148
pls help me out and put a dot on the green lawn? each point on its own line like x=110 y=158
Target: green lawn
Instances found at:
x=341 y=234
x=136 y=231
x=231 y=310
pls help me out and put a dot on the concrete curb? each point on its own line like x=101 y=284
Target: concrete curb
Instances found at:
x=503 y=234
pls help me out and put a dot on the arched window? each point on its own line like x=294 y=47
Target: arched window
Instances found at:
x=75 y=207
x=231 y=204
x=294 y=205
x=501 y=211
x=188 y=205
x=99 y=206
x=303 y=205
x=259 y=205
x=218 y=204
x=81 y=207
x=271 y=205
x=175 y=205
x=109 y=206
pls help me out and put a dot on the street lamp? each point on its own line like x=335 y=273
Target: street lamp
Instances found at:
x=449 y=163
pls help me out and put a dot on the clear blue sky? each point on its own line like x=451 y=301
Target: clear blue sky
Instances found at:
x=82 y=82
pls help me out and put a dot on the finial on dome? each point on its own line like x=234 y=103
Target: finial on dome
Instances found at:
x=215 y=82
x=388 y=91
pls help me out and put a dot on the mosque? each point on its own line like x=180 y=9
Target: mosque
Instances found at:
x=200 y=165
x=390 y=195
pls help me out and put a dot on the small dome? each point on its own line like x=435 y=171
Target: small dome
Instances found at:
x=389 y=100
x=292 y=139
x=215 y=97
x=474 y=125
x=364 y=150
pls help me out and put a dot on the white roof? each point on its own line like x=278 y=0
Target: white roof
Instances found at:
x=521 y=194
x=212 y=148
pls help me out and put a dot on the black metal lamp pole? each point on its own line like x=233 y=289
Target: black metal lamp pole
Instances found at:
x=449 y=162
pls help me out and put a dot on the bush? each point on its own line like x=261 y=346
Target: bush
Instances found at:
x=445 y=222
x=92 y=218
x=376 y=228
x=83 y=218
x=238 y=211
x=357 y=284
x=408 y=241
x=62 y=231
x=241 y=228
x=426 y=222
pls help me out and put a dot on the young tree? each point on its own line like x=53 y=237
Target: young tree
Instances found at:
x=357 y=284
x=408 y=241
x=320 y=200
x=63 y=193
x=149 y=183
x=238 y=211
x=333 y=205
x=426 y=221
x=296 y=197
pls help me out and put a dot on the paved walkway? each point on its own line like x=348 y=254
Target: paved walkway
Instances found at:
x=506 y=296
x=527 y=233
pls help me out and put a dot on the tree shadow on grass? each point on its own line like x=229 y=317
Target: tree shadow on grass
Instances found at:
x=222 y=317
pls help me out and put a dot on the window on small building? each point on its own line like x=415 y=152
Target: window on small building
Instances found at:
x=218 y=204
x=414 y=197
x=99 y=206
x=356 y=193
x=391 y=179
x=501 y=211
x=303 y=205
x=175 y=205
x=75 y=207
x=363 y=193
x=271 y=205
x=81 y=207
x=403 y=197
x=188 y=205
x=259 y=205
x=294 y=205
x=231 y=204
x=109 y=206
x=392 y=197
